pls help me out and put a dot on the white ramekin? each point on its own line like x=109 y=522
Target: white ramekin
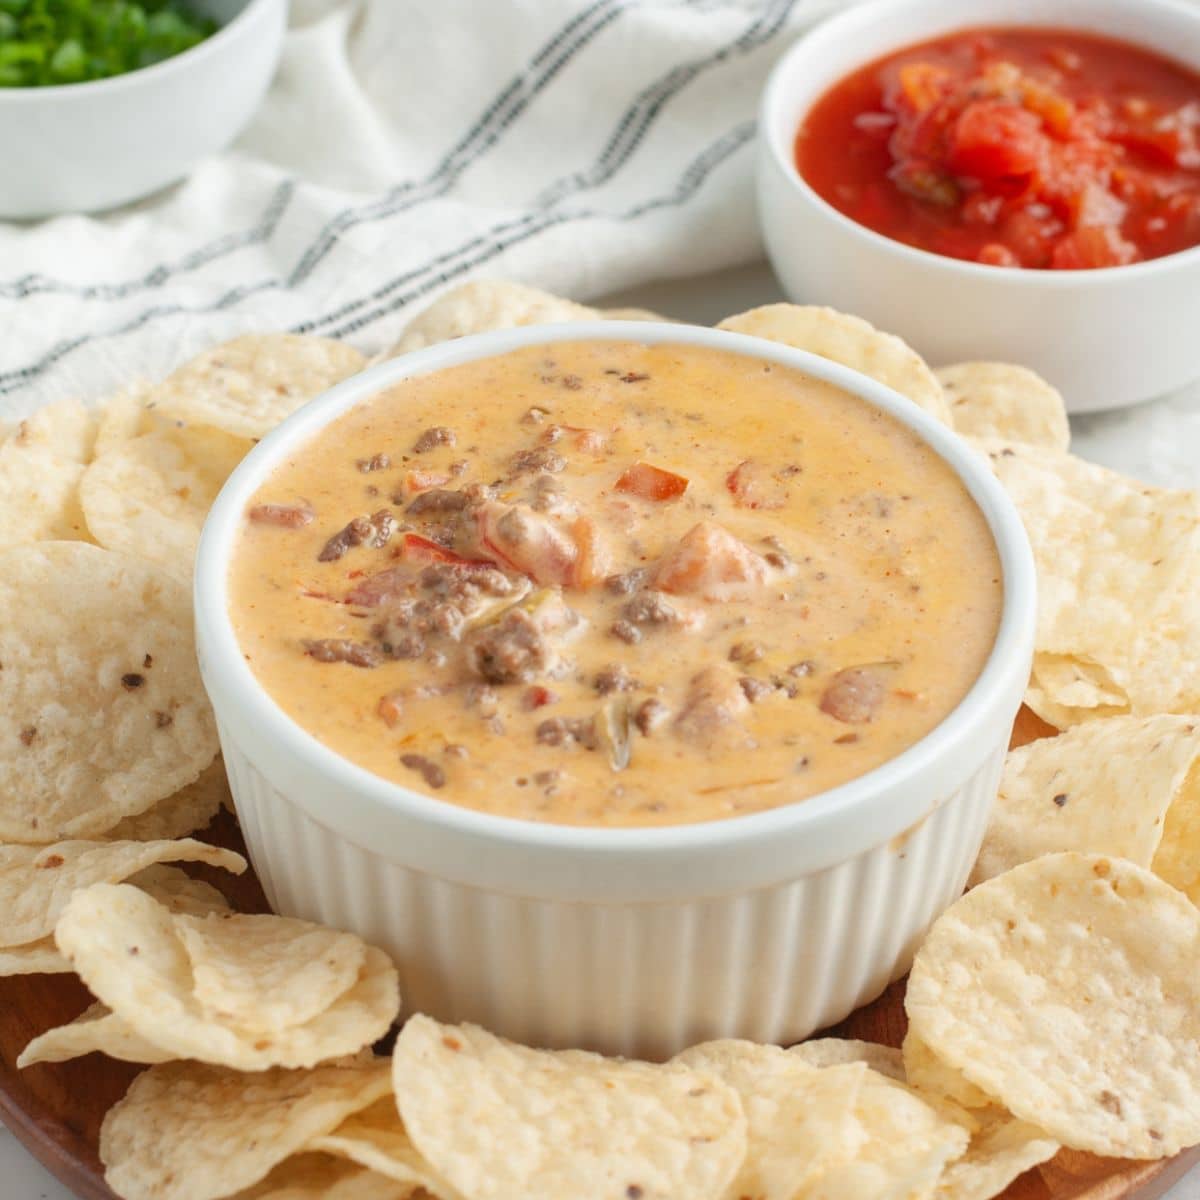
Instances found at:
x=1105 y=338
x=84 y=147
x=643 y=941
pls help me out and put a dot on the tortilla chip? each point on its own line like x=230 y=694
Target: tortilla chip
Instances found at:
x=150 y=495
x=1118 y=572
x=94 y=1031
x=933 y=1078
x=249 y=385
x=311 y=1176
x=34 y=958
x=906 y=1145
x=155 y=990
x=1067 y=989
x=193 y=1132
x=497 y=1120
x=65 y=429
x=105 y=714
x=36 y=882
x=168 y=885
x=1001 y=400
x=1177 y=859
x=267 y=973
x=800 y=1120
x=484 y=305
x=851 y=341
x=834 y=1052
x=996 y=1156
x=178 y=891
x=191 y=808
x=1104 y=787
x=123 y=417
x=39 y=497
x=375 y=1138
x=631 y=314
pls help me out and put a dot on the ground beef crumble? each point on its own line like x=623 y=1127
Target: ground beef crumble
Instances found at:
x=375 y=530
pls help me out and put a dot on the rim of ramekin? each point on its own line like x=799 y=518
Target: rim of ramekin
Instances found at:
x=1003 y=675
x=777 y=133
x=90 y=89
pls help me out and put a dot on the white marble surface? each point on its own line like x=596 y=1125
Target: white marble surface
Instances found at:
x=1159 y=442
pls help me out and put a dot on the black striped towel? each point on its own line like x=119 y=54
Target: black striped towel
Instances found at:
x=406 y=146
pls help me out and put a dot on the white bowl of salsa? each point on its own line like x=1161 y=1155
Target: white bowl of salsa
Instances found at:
x=632 y=684
x=1019 y=183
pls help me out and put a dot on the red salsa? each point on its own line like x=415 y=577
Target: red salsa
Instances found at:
x=1040 y=148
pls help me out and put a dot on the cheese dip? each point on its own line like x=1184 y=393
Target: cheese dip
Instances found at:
x=603 y=583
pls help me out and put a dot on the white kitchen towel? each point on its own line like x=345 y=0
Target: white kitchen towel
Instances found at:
x=405 y=146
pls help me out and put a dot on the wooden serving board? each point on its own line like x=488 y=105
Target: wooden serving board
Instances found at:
x=56 y=1109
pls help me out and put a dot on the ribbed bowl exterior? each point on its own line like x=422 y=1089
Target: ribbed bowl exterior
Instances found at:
x=638 y=979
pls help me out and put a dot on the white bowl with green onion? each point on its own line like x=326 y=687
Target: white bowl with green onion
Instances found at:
x=104 y=103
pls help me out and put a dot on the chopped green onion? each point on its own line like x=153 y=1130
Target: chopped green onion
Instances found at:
x=48 y=42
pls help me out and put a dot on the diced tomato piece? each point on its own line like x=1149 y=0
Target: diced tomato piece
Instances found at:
x=417 y=549
x=594 y=561
x=651 y=483
x=995 y=142
x=590 y=441
x=709 y=561
x=1055 y=110
x=1030 y=234
x=923 y=84
x=1102 y=246
x=527 y=541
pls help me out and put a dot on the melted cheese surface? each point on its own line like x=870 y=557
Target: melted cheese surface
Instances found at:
x=615 y=584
